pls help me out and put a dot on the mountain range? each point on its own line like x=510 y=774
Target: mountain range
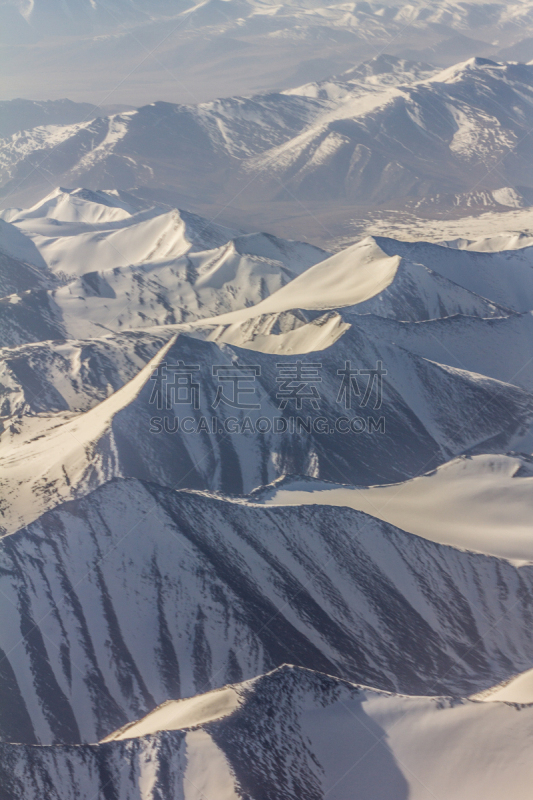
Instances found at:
x=128 y=51
x=283 y=299
x=390 y=133
x=136 y=594
x=265 y=500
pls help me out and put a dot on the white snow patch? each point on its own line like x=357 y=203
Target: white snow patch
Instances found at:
x=472 y=503
x=179 y=714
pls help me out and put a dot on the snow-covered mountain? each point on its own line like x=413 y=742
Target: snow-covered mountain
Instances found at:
x=401 y=746
x=94 y=263
x=138 y=594
x=22 y=115
x=503 y=276
x=480 y=503
x=451 y=140
x=159 y=547
x=72 y=375
x=131 y=51
x=63 y=378
x=93 y=390
x=114 y=266
x=501 y=348
x=441 y=134
x=59 y=456
x=266 y=400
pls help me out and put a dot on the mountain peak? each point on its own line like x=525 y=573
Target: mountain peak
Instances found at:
x=388 y=69
x=458 y=71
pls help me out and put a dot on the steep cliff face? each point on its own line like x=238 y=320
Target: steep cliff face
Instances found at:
x=134 y=594
x=292 y=733
x=427 y=414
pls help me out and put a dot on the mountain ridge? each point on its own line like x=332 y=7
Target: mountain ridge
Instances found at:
x=79 y=612
x=350 y=143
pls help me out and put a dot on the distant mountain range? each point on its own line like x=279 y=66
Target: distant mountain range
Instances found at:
x=22 y=115
x=389 y=133
x=128 y=51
